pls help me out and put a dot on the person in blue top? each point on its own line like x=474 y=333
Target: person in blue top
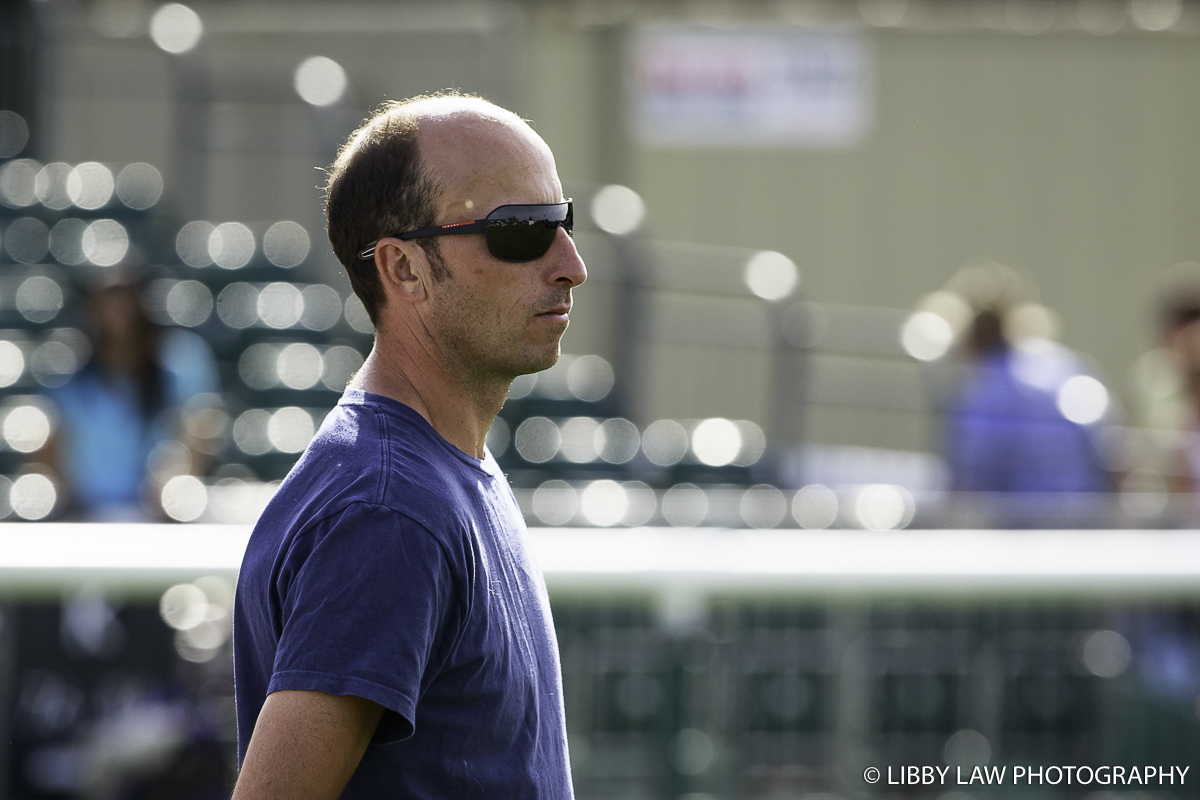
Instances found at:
x=114 y=412
x=1006 y=430
x=392 y=634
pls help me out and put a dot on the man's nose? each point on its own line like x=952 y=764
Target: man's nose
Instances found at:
x=568 y=267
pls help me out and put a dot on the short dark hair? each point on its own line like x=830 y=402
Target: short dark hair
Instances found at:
x=377 y=187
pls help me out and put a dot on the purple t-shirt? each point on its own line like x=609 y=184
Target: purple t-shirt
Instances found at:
x=392 y=566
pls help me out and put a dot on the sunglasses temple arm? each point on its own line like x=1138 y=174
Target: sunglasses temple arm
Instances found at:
x=474 y=226
x=477 y=226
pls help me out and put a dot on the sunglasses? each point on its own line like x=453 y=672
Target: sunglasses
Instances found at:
x=516 y=233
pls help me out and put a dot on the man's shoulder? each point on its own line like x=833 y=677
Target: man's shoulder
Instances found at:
x=371 y=453
x=347 y=457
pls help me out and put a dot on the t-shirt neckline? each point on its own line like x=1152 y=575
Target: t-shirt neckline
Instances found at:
x=486 y=465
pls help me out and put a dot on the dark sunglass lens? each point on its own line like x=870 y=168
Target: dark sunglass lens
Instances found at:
x=521 y=241
x=526 y=232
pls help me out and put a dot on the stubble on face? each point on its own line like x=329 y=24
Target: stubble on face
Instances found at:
x=486 y=342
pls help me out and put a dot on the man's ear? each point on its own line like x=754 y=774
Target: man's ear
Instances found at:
x=403 y=269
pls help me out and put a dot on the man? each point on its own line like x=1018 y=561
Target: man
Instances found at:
x=392 y=636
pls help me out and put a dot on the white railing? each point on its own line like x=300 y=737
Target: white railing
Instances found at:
x=49 y=557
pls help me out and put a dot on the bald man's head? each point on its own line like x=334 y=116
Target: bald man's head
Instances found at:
x=391 y=175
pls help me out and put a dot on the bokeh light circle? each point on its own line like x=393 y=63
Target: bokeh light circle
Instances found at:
x=340 y=365
x=320 y=81
x=1082 y=399
x=578 y=440
x=685 y=505
x=716 y=442
x=1106 y=653
x=139 y=186
x=537 y=440
x=51 y=185
x=299 y=366
x=53 y=363
x=771 y=275
x=17 y=179
x=926 y=336
x=618 y=210
x=189 y=303
x=27 y=240
x=815 y=507
x=231 y=245
x=290 y=429
x=183 y=606
x=33 y=496
x=258 y=366
x=176 y=28
x=191 y=243
x=105 y=242
x=12 y=363
x=184 y=498
x=286 y=244
x=66 y=241
x=617 y=440
x=237 y=305
x=665 y=442
x=555 y=502
x=90 y=185
x=322 y=307
x=14 y=133
x=763 y=506
x=604 y=503
x=590 y=378
x=250 y=432
x=883 y=507
x=26 y=428
x=357 y=316
x=1155 y=15
x=39 y=298
x=280 y=305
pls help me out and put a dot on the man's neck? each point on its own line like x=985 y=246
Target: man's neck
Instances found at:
x=461 y=410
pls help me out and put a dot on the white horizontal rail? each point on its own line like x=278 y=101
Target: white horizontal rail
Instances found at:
x=41 y=557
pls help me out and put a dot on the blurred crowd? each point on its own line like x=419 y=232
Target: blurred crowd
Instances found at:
x=1032 y=428
x=1029 y=426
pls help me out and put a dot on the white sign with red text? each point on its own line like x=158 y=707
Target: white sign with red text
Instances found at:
x=743 y=86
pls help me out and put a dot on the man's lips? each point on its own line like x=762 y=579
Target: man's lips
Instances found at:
x=557 y=311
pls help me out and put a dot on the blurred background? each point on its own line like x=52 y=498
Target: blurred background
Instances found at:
x=853 y=266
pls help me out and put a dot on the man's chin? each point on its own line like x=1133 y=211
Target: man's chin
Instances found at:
x=538 y=360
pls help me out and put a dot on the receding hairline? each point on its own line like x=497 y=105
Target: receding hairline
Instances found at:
x=444 y=126
x=473 y=117
x=421 y=111
x=453 y=108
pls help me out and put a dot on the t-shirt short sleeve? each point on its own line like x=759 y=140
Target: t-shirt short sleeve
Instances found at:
x=368 y=608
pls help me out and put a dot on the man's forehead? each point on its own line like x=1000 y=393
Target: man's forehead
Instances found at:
x=465 y=136
x=475 y=151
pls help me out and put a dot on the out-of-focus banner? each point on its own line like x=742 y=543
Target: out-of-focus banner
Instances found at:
x=755 y=87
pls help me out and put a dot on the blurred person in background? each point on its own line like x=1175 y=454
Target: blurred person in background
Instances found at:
x=1024 y=416
x=1166 y=382
x=1167 y=388
x=120 y=435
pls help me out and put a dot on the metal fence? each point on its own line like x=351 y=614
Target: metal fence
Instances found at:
x=697 y=663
